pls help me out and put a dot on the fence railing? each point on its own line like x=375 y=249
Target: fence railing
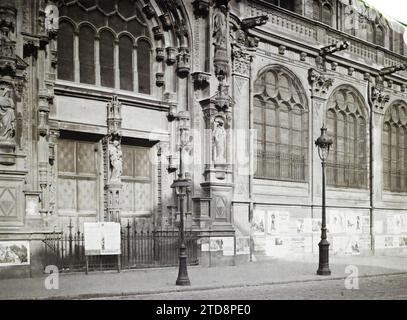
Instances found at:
x=140 y=248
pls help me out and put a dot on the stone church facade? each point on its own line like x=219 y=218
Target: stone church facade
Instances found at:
x=94 y=94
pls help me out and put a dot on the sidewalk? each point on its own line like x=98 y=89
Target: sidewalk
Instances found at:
x=263 y=271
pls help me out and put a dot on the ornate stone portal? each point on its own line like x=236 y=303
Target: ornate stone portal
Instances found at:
x=113 y=161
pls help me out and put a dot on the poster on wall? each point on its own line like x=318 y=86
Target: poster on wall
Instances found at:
x=403 y=241
x=258 y=222
x=242 y=245
x=353 y=223
x=336 y=222
x=399 y=224
x=14 y=253
x=304 y=225
x=228 y=246
x=316 y=225
x=102 y=238
x=259 y=243
x=277 y=246
x=278 y=222
x=379 y=241
x=353 y=245
x=216 y=244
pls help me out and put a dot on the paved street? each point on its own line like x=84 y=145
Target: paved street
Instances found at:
x=377 y=287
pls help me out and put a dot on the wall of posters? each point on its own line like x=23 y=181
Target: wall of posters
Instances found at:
x=102 y=238
x=258 y=222
x=242 y=245
x=14 y=253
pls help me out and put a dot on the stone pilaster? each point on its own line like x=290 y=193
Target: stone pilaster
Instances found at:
x=113 y=161
x=319 y=83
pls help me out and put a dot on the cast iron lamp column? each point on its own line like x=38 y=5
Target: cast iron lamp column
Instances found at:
x=324 y=144
x=180 y=185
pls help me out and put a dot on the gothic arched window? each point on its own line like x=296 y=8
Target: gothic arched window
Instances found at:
x=286 y=4
x=106 y=42
x=281 y=121
x=379 y=36
x=65 y=51
x=322 y=11
x=346 y=123
x=143 y=66
x=394 y=148
x=87 y=54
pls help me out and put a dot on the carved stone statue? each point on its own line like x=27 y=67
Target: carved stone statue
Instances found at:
x=219 y=139
x=116 y=161
x=51 y=18
x=220 y=34
x=7 y=117
x=219 y=27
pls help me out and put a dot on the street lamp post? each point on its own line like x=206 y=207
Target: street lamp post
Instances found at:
x=324 y=144
x=180 y=185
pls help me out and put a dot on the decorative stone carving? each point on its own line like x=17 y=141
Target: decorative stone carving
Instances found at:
x=350 y=71
x=334 y=65
x=7 y=116
x=319 y=82
x=219 y=142
x=51 y=20
x=303 y=56
x=201 y=7
x=158 y=34
x=171 y=55
x=252 y=22
x=43 y=112
x=219 y=34
x=183 y=62
x=113 y=159
x=7 y=127
x=200 y=79
x=378 y=96
x=166 y=21
x=159 y=54
x=281 y=49
x=116 y=161
x=148 y=10
x=159 y=79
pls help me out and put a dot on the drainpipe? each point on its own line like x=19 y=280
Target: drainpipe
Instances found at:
x=371 y=193
x=251 y=158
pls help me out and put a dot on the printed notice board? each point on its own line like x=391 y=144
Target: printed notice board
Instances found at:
x=102 y=238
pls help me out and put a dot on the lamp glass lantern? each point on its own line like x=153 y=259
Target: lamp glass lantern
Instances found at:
x=324 y=144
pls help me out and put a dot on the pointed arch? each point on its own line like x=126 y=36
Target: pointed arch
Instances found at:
x=347 y=125
x=281 y=119
x=394 y=147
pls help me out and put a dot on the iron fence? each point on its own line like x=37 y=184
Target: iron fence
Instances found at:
x=141 y=247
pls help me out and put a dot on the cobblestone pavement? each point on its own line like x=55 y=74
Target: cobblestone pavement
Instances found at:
x=376 y=287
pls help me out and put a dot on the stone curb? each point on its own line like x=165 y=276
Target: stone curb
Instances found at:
x=200 y=288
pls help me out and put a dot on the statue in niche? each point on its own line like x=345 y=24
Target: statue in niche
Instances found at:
x=219 y=139
x=51 y=18
x=219 y=27
x=7 y=116
x=116 y=161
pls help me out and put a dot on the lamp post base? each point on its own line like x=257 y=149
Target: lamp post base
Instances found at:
x=183 y=279
x=323 y=268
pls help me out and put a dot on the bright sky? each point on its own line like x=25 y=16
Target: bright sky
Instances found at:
x=396 y=9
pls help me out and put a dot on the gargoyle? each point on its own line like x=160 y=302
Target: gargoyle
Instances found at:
x=254 y=22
